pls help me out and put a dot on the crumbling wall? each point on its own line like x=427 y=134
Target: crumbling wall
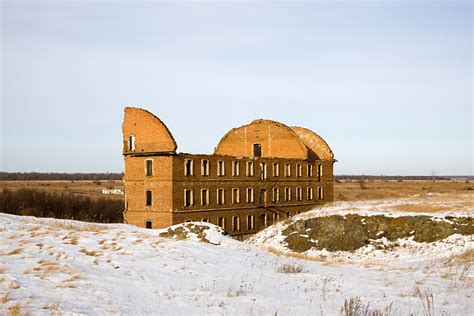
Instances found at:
x=150 y=134
x=276 y=139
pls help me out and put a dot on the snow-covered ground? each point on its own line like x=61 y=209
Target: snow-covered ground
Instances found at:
x=406 y=249
x=49 y=265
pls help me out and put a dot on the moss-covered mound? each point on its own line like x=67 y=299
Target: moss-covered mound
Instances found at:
x=351 y=232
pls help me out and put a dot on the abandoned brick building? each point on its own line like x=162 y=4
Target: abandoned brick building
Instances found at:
x=259 y=173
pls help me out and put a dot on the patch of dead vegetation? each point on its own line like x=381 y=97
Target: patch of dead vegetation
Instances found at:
x=290 y=268
x=79 y=227
x=418 y=208
x=5 y=298
x=30 y=228
x=347 y=190
x=71 y=239
x=17 y=251
x=91 y=253
x=467 y=257
x=137 y=241
x=54 y=307
x=110 y=246
x=15 y=309
x=102 y=241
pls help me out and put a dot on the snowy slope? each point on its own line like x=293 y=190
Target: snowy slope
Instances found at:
x=385 y=254
x=51 y=265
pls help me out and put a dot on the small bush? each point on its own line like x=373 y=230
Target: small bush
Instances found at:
x=354 y=307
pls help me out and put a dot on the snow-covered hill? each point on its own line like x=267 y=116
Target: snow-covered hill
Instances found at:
x=380 y=250
x=49 y=265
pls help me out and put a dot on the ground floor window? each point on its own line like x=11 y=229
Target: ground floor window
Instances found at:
x=149 y=225
x=204 y=197
x=235 y=223
x=299 y=194
x=320 y=193
x=250 y=222
x=221 y=222
x=276 y=217
x=188 y=198
x=262 y=221
x=276 y=195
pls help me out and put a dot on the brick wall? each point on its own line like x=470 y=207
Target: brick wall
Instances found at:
x=136 y=183
x=167 y=178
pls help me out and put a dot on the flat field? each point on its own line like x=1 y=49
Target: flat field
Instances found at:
x=89 y=188
x=345 y=190
x=378 y=189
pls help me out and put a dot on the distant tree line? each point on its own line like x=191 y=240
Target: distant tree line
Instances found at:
x=23 y=176
x=364 y=177
x=61 y=205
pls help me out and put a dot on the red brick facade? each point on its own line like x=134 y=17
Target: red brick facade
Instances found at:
x=260 y=173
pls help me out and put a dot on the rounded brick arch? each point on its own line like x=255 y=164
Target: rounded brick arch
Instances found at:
x=149 y=133
x=314 y=142
x=276 y=140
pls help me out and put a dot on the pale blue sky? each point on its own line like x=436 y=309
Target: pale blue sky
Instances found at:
x=387 y=84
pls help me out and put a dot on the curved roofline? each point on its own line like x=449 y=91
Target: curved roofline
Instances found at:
x=155 y=118
x=317 y=135
x=302 y=144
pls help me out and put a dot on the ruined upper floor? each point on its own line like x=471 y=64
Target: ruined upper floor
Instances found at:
x=144 y=133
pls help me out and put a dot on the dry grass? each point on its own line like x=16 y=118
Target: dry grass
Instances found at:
x=100 y=242
x=418 y=208
x=79 y=226
x=5 y=298
x=289 y=268
x=71 y=239
x=80 y=187
x=45 y=268
x=14 y=285
x=91 y=253
x=297 y=255
x=467 y=257
x=14 y=252
x=54 y=307
x=354 y=307
x=15 y=310
x=379 y=189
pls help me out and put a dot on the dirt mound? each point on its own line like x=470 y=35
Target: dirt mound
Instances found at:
x=351 y=232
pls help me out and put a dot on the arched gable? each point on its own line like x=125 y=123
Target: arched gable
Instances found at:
x=314 y=142
x=144 y=132
x=276 y=140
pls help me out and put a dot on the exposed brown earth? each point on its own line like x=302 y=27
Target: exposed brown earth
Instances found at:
x=351 y=232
